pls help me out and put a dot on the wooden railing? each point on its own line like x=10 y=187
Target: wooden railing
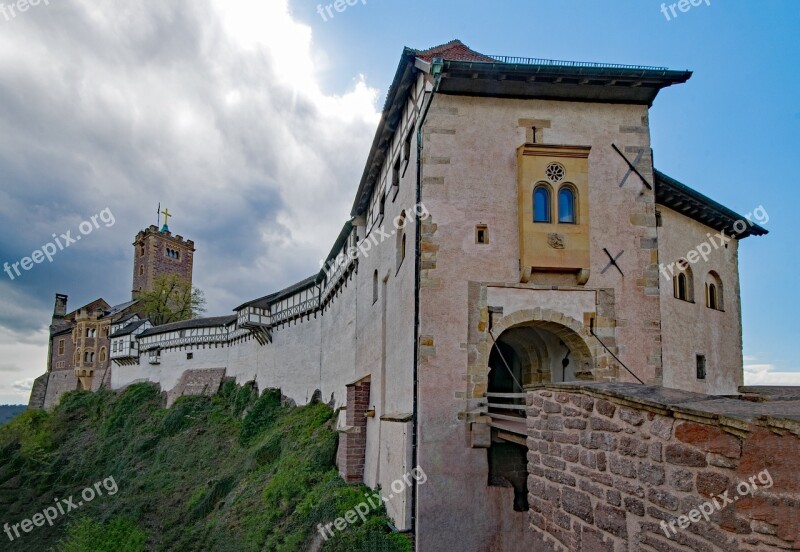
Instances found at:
x=507 y=411
x=295 y=311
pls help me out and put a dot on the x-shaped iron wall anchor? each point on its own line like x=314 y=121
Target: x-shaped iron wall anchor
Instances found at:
x=632 y=167
x=613 y=262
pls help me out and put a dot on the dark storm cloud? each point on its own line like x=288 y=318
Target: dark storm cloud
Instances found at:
x=121 y=106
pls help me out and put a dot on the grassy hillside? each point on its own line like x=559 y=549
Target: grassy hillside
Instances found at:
x=234 y=472
x=8 y=411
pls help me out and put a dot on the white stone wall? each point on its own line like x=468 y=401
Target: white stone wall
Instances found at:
x=689 y=329
x=172 y=366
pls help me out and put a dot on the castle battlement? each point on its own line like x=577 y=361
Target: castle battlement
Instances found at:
x=153 y=230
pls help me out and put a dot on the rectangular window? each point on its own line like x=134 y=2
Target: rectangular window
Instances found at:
x=189 y=356
x=482 y=234
x=60 y=346
x=407 y=145
x=701 y=367
x=396 y=178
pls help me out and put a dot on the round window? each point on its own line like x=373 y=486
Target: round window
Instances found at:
x=555 y=172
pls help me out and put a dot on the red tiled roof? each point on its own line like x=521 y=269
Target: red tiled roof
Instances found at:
x=455 y=50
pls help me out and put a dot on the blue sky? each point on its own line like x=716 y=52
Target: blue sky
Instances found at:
x=251 y=121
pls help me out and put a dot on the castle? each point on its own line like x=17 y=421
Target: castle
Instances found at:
x=510 y=232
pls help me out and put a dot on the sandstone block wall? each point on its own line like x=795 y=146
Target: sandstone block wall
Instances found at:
x=608 y=463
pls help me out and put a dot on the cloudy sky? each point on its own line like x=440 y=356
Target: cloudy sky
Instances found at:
x=251 y=120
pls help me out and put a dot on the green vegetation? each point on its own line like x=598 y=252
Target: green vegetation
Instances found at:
x=172 y=299
x=237 y=471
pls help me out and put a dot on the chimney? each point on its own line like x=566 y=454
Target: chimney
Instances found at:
x=60 y=308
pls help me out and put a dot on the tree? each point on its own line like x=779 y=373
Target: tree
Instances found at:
x=172 y=299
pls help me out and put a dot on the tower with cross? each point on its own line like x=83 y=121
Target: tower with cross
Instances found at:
x=166 y=214
x=157 y=253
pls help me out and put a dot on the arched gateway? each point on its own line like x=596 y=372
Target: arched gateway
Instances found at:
x=530 y=347
x=525 y=348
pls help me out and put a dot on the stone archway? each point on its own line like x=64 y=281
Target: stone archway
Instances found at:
x=546 y=347
x=527 y=347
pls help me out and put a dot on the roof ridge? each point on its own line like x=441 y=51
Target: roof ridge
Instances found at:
x=454 y=50
x=453 y=42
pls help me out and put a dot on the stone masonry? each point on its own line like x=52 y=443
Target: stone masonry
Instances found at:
x=608 y=463
x=197 y=382
x=158 y=253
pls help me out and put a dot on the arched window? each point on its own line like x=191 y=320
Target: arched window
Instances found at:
x=714 y=291
x=683 y=282
x=566 y=205
x=541 y=203
x=102 y=354
x=375 y=287
x=682 y=287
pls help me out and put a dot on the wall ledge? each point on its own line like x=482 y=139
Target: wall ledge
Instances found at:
x=778 y=410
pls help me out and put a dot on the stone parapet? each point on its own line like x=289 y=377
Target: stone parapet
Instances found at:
x=626 y=467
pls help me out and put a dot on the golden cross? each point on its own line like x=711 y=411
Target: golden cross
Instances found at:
x=166 y=214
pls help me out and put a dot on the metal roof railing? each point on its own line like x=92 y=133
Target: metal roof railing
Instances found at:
x=561 y=63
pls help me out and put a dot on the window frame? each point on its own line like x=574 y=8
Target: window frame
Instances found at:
x=548 y=190
x=714 y=292
x=482 y=229
x=401 y=240
x=688 y=277
x=568 y=187
x=396 y=178
x=701 y=367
